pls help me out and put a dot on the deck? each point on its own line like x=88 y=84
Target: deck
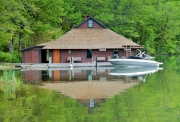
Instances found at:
x=61 y=65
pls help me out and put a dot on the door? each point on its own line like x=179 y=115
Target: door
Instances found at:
x=56 y=56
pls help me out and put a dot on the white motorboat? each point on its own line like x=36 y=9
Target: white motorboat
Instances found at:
x=139 y=60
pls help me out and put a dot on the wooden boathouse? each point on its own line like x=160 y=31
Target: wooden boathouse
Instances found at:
x=87 y=42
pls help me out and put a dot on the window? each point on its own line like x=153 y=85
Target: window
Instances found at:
x=115 y=53
x=90 y=23
x=89 y=53
x=47 y=55
x=69 y=51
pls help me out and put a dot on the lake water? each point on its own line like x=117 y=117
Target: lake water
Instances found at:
x=103 y=94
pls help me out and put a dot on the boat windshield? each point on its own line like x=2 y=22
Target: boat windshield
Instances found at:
x=133 y=57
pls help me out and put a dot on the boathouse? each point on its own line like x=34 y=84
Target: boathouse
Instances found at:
x=89 y=41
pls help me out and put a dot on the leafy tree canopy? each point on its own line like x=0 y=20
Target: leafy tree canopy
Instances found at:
x=152 y=23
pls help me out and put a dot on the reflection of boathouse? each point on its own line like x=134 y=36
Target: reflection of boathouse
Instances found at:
x=88 y=41
x=94 y=83
x=39 y=76
x=64 y=75
x=87 y=74
x=89 y=86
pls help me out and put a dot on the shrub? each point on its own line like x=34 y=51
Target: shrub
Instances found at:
x=16 y=57
x=7 y=57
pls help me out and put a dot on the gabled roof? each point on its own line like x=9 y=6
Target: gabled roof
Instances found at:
x=93 y=20
x=88 y=38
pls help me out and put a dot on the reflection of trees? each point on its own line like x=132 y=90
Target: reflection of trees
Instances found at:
x=30 y=103
x=9 y=90
x=155 y=100
x=172 y=62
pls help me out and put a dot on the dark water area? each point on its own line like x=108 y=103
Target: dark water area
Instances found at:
x=103 y=94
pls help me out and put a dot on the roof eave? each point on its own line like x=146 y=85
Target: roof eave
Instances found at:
x=31 y=48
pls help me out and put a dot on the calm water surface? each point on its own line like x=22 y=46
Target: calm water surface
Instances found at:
x=94 y=95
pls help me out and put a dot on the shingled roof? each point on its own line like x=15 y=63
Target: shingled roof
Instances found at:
x=89 y=38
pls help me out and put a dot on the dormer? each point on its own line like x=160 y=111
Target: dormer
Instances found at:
x=90 y=22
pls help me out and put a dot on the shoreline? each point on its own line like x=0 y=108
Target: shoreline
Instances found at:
x=6 y=67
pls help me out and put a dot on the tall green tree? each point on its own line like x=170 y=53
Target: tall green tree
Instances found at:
x=162 y=21
x=46 y=19
x=152 y=23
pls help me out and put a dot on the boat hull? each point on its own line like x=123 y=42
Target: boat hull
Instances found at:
x=133 y=62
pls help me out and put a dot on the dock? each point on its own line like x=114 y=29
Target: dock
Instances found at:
x=61 y=65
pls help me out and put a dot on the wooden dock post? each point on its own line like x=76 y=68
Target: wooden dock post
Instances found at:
x=96 y=66
x=72 y=60
x=96 y=61
x=50 y=73
x=50 y=61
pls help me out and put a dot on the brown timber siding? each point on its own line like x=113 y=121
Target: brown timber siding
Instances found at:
x=95 y=53
x=82 y=53
x=27 y=57
x=123 y=53
x=74 y=53
x=32 y=56
x=85 y=25
x=35 y=57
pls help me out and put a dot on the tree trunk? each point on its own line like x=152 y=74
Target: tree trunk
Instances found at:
x=20 y=36
x=11 y=46
x=20 y=42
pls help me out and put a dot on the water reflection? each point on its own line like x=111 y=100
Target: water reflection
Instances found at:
x=89 y=86
x=139 y=72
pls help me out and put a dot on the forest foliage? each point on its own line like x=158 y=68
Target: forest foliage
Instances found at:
x=152 y=23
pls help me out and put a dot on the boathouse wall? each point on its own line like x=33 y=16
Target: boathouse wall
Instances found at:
x=36 y=55
x=123 y=53
x=68 y=54
x=65 y=54
x=32 y=55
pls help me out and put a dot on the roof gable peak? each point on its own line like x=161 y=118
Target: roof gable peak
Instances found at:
x=90 y=24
